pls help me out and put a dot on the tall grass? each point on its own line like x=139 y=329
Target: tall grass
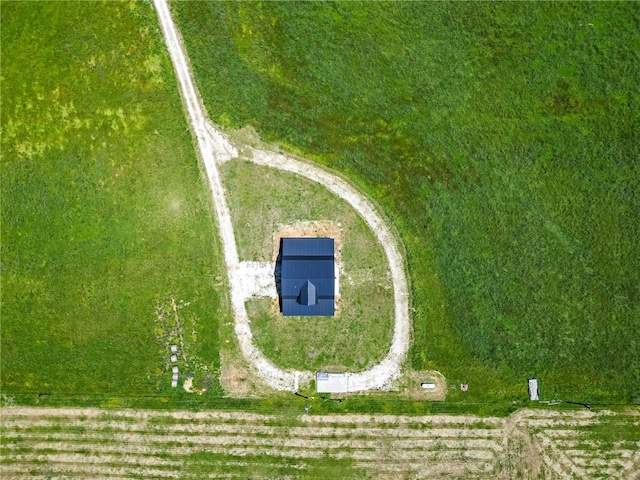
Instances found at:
x=105 y=215
x=503 y=140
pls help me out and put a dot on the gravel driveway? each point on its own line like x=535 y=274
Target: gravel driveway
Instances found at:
x=215 y=148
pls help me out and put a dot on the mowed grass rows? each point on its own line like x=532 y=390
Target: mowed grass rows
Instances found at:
x=590 y=447
x=50 y=443
x=240 y=445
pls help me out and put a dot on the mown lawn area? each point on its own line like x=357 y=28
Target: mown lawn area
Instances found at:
x=502 y=138
x=106 y=218
x=265 y=204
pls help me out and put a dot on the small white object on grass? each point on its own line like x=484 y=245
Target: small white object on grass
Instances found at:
x=175 y=377
x=428 y=386
x=534 y=391
x=174 y=358
x=174 y=383
x=175 y=369
x=174 y=348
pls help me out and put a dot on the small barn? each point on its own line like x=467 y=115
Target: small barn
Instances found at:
x=328 y=382
x=308 y=276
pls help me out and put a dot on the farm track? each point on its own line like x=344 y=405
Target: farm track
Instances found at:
x=214 y=148
x=82 y=443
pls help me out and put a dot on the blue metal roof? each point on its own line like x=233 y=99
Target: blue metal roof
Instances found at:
x=308 y=295
x=309 y=247
x=307 y=267
x=324 y=308
x=308 y=260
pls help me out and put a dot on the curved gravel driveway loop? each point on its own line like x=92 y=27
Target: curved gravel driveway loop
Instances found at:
x=214 y=148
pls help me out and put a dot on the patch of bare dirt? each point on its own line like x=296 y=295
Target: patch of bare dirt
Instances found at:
x=258 y=279
x=235 y=382
x=236 y=378
x=188 y=387
x=309 y=229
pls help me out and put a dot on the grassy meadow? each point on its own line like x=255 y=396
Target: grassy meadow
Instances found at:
x=109 y=248
x=502 y=138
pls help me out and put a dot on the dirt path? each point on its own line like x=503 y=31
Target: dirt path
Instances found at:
x=215 y=148
x=382 y=374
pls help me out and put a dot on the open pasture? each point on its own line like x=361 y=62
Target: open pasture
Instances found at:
x=109 y=249
x=501 y=138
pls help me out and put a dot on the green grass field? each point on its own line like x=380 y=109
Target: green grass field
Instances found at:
x=502 y=138
x=260 y=200
x=106 y=218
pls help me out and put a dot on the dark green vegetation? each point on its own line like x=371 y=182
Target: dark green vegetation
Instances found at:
x=503 y=140
x=105 y=217
x=260 y=200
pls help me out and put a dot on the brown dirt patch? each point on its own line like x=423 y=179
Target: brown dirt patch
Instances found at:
x=236 y=378
x=236 y=381
x=322 y=228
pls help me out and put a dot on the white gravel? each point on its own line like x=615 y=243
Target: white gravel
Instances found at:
x=215 y=148
x=258 y=279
